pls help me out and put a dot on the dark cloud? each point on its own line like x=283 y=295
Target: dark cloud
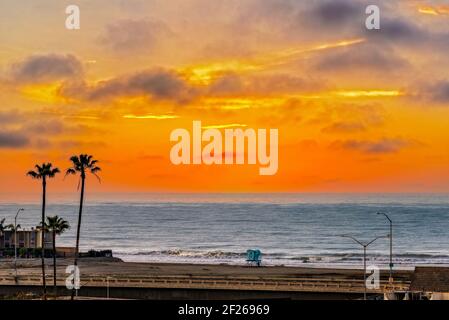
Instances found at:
x=333 y=18
x=50 y=67
x=336 y=12
x=129 y=35
x=386 y=145
x=346 y=18
x=13 y=139
x=399 y=30
x=157 y=84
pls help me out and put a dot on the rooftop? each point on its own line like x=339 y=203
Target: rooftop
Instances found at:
x=430 y=279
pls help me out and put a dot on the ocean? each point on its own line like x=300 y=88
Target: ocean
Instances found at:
x=289 y=229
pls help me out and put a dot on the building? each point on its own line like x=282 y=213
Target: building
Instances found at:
x=29 y=239
x=431 y=282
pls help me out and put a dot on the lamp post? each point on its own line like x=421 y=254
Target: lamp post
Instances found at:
x=15 y=240
x=364 y=245
x=107 y=286
x=391 y=245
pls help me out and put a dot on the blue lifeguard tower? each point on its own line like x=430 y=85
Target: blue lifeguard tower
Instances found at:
x=254 y=256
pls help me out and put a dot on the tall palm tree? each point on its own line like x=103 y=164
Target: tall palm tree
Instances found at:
x=43 y=172
x=81 y=165
x=56 y=226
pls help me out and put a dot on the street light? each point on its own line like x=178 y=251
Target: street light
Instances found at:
x=391 y=245
x=15 y=240
x=364 y=245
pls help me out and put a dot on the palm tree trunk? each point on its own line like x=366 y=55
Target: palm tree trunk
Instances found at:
x=44 y=187
x=54 y=263
x=78 y=229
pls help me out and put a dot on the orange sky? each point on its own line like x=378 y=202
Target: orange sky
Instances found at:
x=357 y=110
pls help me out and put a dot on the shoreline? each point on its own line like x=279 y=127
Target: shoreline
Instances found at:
x=119 y=261
x=314 y=265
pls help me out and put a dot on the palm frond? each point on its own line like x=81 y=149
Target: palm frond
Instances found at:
x=33 y=175
x=95 y=169
x=69 y=171
x=54 y=171
x=57 y=224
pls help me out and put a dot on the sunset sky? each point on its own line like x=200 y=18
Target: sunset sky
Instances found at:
x=357 y=110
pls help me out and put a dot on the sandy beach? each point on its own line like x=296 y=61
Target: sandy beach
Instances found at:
x=116 y=267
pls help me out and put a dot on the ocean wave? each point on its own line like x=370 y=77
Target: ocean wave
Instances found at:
x=186 y=253
x=279 y=258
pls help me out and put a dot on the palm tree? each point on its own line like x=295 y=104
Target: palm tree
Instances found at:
x=56 y=226
x=13 y=229
x=81 y=164
x=43 y=172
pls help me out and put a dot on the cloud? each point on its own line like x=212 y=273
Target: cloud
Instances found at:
x=440 y=92
x=35 y=129
x=157 y=84
x=362 y=57
x=13 y=139
x=227 y=84
x=385 y=145
x=130 y=35
x=50 y=67
x=330 y=18
x=347 y=18
x=396 y=30
x=336 y=12
x=7 y=117
x=293 y=15
x=46 y=127
x=433 y=93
